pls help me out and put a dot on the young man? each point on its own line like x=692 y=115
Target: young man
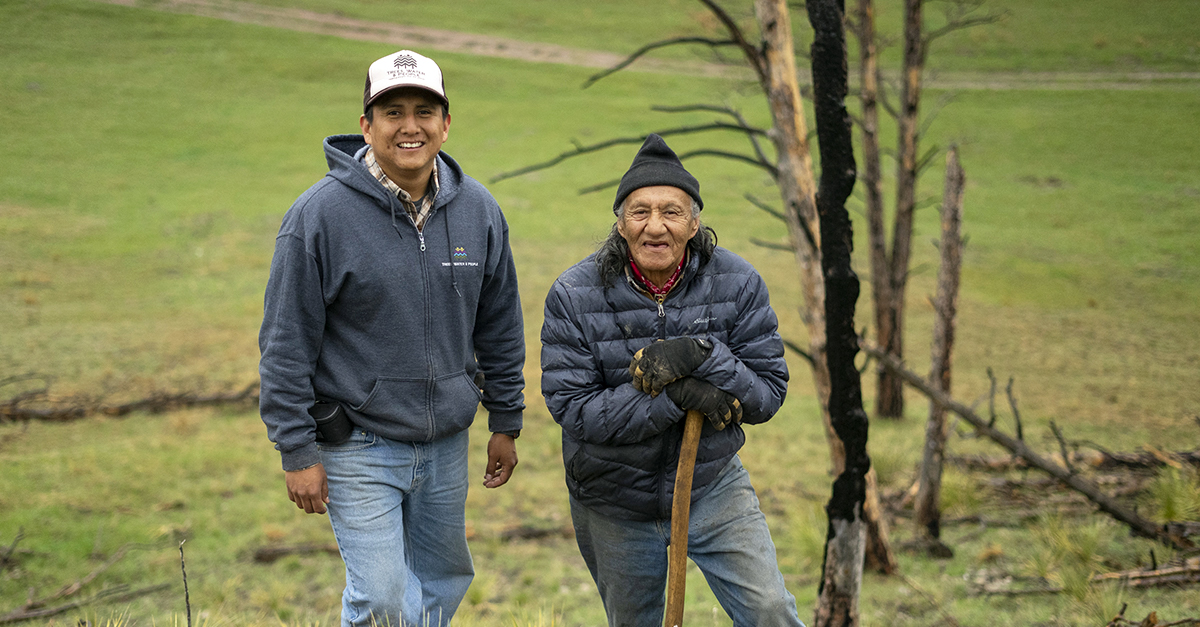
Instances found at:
x=391 y=312
x=658 y=321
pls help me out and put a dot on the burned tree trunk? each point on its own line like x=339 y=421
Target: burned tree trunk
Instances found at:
x=929 y=484
x=846 y=535
x=797 y=188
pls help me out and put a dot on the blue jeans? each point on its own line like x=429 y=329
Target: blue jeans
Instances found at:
x=727 y=538
x=398 y=512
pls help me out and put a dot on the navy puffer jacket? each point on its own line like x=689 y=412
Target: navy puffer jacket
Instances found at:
x=620 y=446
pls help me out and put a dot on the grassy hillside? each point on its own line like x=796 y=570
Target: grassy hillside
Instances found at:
x=149 y=157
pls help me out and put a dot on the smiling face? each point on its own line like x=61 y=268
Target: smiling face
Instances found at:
x=406 y=129
x=657 y=224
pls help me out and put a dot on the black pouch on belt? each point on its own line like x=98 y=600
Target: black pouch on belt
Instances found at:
x=333 y=425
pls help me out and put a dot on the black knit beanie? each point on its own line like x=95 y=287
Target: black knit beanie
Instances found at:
x=656 y=164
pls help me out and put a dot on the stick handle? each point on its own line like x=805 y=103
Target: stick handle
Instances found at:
x=680 y=510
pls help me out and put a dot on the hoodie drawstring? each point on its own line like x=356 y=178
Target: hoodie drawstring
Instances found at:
x=395 y=226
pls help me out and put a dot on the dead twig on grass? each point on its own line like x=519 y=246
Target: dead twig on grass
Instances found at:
x=115 y=594
x=949 y=620
x=1151 y=620
x=187 y=601
x=7 y=558
x=75 y=587
x=37 y=608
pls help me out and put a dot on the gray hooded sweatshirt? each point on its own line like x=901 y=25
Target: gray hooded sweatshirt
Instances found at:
x=393 y=324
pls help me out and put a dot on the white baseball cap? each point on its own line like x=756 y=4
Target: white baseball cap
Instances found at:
x=403 y=69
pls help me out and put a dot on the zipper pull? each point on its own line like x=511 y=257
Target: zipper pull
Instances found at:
x=422 y=236
x=659 y=300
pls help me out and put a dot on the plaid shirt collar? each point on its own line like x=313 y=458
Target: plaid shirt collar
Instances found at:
x=419 y=210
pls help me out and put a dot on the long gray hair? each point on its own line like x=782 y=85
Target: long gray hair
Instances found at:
x=613 y=254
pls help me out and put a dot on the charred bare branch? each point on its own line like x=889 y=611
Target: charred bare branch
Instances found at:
x=735 y=114
x=941 y=104
x=754 y=200
x=771 y=245
x=795 y=348
x=959 y=16
x=1012 y=402
x=1062 y=447
x=637 y=140
x=753 y=56
x=599 y=186
x=992 y=398
x=924 y=162
x=187 y=601
x=683 y=157
x=706 y=152
x=712 y=43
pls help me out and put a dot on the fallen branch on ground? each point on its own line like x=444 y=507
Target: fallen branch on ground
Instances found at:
x=1097 y=458
x=14 y=410
x=1182 y=573
x=1188 y=572
x=1017 y=446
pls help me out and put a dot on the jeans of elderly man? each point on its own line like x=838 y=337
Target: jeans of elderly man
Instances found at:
x=727 y=538
x=397 y=510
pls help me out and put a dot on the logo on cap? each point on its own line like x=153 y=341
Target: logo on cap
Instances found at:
x=405 y=61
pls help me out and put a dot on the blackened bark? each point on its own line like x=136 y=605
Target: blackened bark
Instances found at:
x=845 y=539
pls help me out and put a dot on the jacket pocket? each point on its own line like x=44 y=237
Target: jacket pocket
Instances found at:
x=402 y=400
x=455 y=397
x=407 y=401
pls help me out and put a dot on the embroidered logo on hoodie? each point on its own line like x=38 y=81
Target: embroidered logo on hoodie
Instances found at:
x=459 y=255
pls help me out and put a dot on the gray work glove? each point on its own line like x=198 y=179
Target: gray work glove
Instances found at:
x=719 y=406
x=665 y=361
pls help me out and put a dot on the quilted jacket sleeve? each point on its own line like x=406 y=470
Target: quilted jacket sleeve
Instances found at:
x=575 y=391
x=750 y=365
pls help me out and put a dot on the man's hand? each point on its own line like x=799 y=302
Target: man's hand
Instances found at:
x=719 y=406
x=308 y=489
x=665 y=361
x=502 y=459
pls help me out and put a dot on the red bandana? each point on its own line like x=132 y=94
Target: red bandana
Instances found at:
x=650 y=287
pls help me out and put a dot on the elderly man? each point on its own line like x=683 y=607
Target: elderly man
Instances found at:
x=392 y=298
x=659 y=321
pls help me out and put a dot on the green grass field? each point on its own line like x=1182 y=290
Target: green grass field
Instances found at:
x=149 y=157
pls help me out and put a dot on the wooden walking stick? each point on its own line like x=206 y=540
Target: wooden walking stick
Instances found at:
x=680 y=510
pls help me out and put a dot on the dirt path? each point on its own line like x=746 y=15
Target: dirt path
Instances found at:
x=490 y=46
